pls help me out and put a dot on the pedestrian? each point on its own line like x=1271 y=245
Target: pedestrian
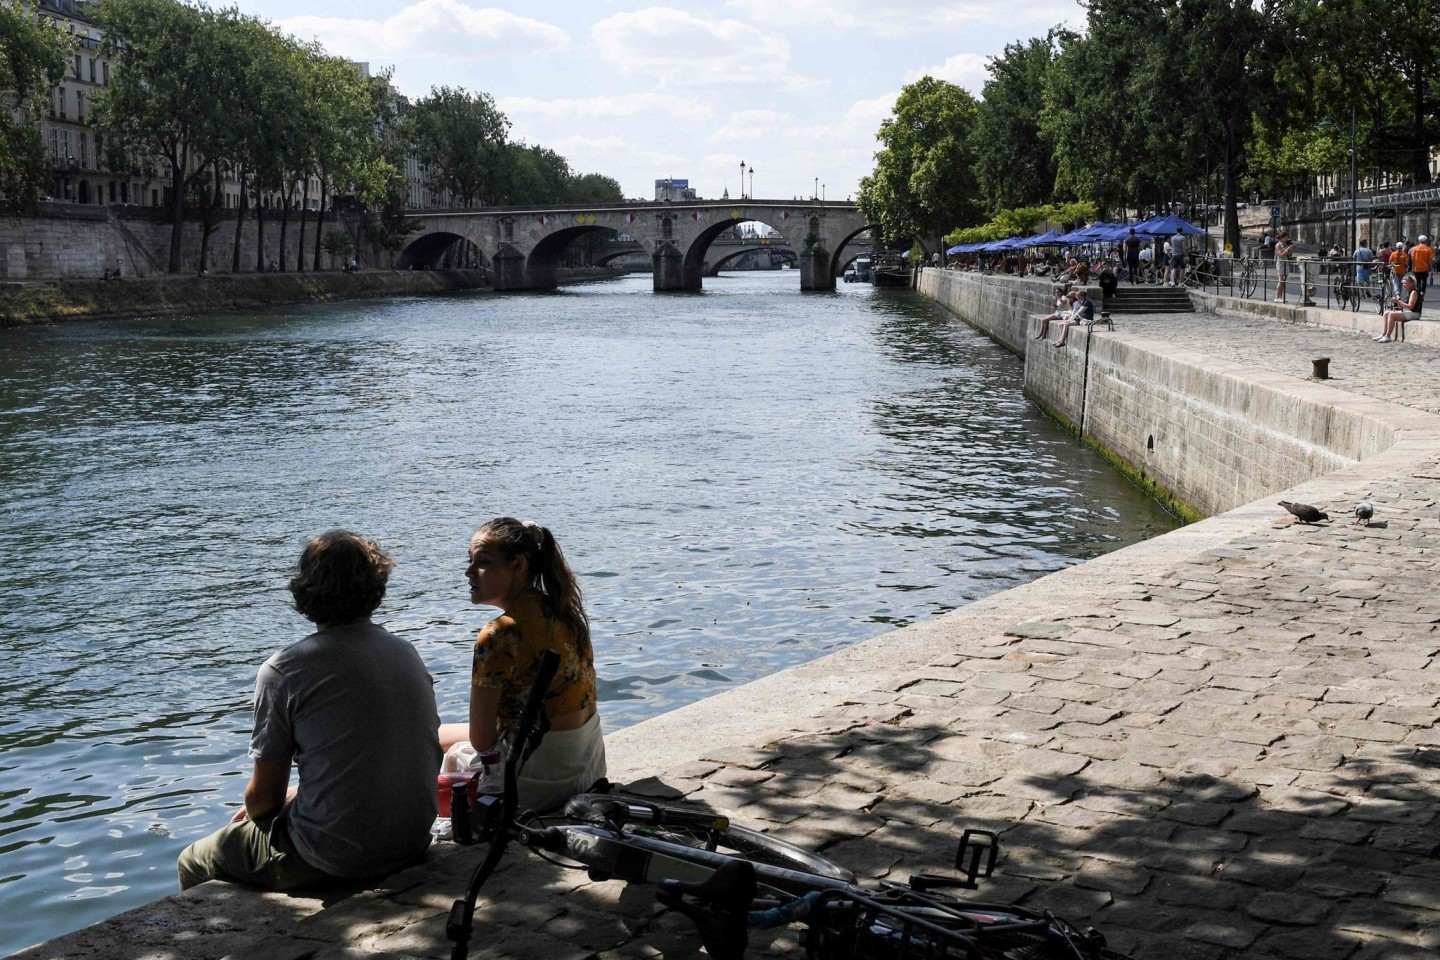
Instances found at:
x=353 y=708
x=1421 y=257
x=1399 y=266
x=1132 y=256
x=1267 y=246
x=1284 y=247
x=1175 y=271
x=1364 y=256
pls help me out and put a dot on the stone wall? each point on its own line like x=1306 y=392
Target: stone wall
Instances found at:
x=69 y=241
x=1204 y=433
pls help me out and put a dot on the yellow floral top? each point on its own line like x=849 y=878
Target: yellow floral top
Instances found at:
x=504 y=660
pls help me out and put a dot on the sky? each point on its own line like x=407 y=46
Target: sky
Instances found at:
x=794 y=89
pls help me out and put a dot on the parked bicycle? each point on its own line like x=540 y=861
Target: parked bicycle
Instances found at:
x=729 y=880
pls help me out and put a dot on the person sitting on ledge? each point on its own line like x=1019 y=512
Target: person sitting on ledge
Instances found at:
x=1406 y=308
x=353 y=706
x=1064 y=301
x=1083 y=313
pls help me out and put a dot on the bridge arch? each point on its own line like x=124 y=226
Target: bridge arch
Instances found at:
x=543 y=264
x=782 y=251
x=431 y=251
x=838 y=260
x=693 y=266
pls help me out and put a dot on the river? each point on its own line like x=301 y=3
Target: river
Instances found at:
x=744 y=479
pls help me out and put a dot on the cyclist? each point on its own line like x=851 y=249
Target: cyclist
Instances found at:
x=519 y=568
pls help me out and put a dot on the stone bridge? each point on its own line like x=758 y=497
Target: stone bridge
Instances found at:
x=524 y=244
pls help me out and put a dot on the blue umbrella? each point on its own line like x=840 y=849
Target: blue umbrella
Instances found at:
x=1164 y=226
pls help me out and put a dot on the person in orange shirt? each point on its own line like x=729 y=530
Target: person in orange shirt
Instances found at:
x=1399 y=266
x=1421 y=256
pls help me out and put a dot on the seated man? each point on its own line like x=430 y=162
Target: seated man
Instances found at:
x=353 y=706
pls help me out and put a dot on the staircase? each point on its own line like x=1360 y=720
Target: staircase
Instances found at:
x=1148 y=298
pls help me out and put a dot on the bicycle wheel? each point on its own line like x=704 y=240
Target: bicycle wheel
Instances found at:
x=701 y=830
x=1248 y=281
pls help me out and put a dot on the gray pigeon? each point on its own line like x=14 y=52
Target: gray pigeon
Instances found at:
x=1304 y=512
x=1364 y=510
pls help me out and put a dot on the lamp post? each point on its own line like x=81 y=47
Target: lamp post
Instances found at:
x=822 y=193
x=815 y=192
x=742 y=179
x=752 y=183
x=1354 y=229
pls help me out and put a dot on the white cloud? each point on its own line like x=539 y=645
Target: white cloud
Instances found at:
x=964 y=69
x=908 y=18
x=661 y=105
x=679 y=49
x=433 y=29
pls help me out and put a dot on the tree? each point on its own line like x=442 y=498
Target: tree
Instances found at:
x=923 y=183
x=461 y=136
x=168 y=95
x=1014 y=160
x=33 y=54
x=595 y=188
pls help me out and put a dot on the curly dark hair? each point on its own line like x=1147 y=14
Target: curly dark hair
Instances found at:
x=342 y=577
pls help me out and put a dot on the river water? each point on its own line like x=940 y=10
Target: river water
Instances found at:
x=745 y=479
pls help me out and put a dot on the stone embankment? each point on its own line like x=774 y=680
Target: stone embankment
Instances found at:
x=1218 y=743
x=49 y=301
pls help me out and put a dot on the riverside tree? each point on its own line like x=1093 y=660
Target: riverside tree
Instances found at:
x=1014 y=159
x=33 y=54
x=924 y=182
x=462 y=137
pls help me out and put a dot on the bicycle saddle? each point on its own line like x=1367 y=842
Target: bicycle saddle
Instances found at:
x=724 y=899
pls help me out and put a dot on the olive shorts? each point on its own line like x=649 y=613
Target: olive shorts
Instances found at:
x=253 y=852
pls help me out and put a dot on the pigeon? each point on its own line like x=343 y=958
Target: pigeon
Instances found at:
x=1364 y=510
x=1304 y=512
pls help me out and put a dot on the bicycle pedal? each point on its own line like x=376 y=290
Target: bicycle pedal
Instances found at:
x=976 y=855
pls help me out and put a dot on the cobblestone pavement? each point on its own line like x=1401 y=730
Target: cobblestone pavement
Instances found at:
x=1221 y=743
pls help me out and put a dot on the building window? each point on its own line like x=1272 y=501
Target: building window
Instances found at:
x=92 y=69
x=79 y=104
x=62 y=103
x=84 y=151
x=105 y=67
x=112 y=191
x=77 y=66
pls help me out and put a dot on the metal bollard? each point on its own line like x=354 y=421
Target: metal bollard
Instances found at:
x=1320 y=368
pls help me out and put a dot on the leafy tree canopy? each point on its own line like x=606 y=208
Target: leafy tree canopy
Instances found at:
x=33 y=54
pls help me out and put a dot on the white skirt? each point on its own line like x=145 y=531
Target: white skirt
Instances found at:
x=567 y=762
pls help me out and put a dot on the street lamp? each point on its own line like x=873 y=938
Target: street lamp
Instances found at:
x=742 y=179
x=1354 y=228
x=752 y=183
x=822 y=193
x=815 y=193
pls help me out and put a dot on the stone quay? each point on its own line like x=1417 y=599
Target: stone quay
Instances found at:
x=1218 y=743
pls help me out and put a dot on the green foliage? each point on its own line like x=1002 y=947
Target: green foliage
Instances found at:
x=923 y=180
x=461 y=136
x=338 y=243
x=595 y=188
x=1014 y=160
x=32 y=59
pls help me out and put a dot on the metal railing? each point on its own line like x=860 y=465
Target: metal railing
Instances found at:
x=1308 y=282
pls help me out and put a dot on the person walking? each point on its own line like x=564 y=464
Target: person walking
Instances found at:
x=1364 y=256
x=1399 y=266
x=1421 y=257
x=1284 y=247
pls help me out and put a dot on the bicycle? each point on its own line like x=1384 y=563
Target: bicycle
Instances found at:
x=1248 y=280
x=729 y=880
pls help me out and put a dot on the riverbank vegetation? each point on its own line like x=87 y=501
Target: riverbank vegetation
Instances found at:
x=33 y=54
x=203 y=100
x=1157 y=102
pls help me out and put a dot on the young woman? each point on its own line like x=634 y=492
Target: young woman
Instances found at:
x=1284 y=246
x=519 y=568
x=1405 y=308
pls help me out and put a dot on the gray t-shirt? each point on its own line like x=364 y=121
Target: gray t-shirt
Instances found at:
x=353 y=706
x=1177 y=244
